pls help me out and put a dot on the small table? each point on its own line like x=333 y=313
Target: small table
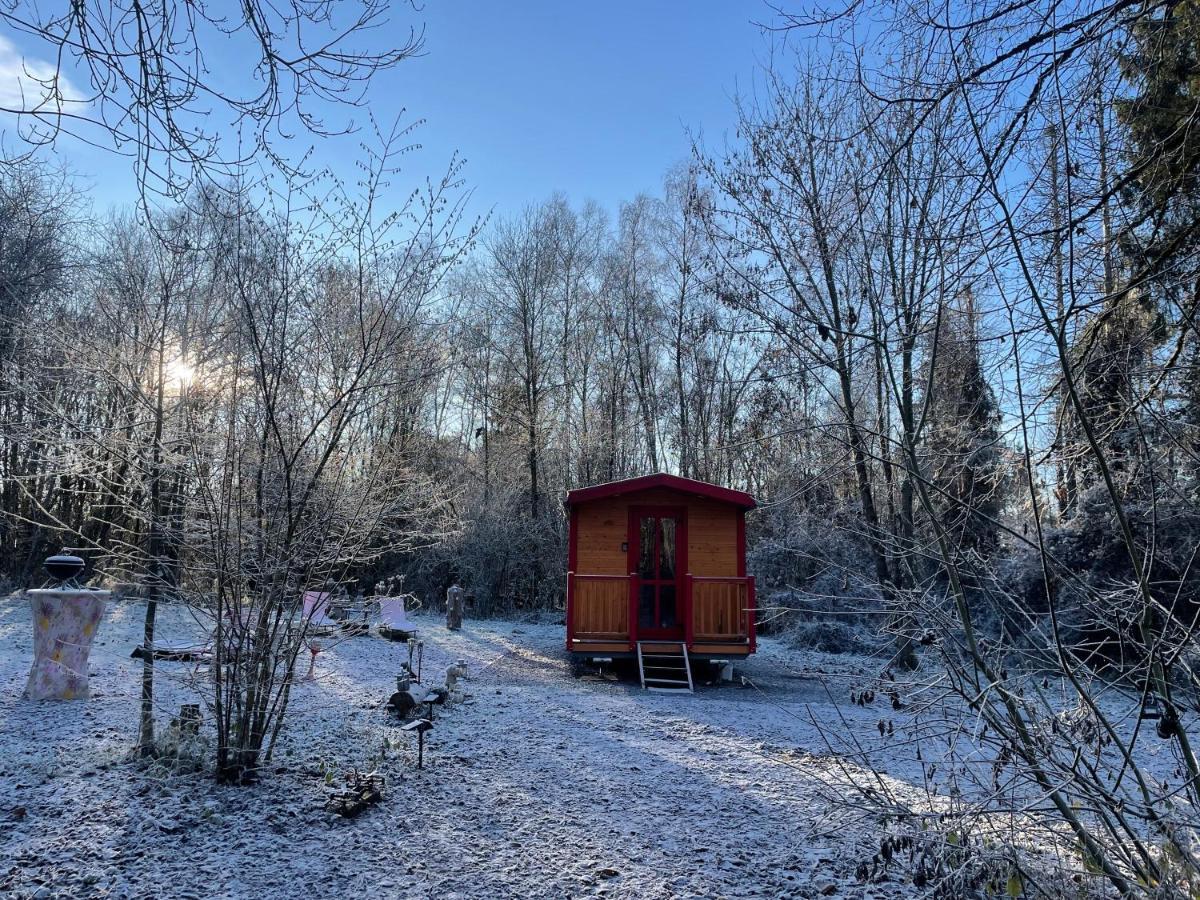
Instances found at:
x=354 y=617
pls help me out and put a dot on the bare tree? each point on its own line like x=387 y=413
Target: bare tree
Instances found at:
x=795 y=204
x=143 y=79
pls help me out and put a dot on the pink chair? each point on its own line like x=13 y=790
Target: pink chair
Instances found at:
x=393 y=622
x=316 y=614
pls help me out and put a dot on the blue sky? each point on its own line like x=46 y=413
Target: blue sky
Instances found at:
x=593 y=99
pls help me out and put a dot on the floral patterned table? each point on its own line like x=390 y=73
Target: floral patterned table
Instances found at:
x=64 y=625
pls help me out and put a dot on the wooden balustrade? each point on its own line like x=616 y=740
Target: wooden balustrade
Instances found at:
x=721 y=609
x=600 y=607
x=713 y=610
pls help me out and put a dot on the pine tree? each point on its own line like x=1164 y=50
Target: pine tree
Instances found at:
x=1163 y=187
x=1163 y=176
x=1112 y=349
x=963 y=443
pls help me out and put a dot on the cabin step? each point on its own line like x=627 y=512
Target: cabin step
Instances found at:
x=671 y=658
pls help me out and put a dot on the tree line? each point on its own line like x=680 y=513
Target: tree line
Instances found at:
x=933 y=303
x=827 y=312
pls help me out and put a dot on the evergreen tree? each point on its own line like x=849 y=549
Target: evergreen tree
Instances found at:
x=963 y=444
x=1163 y=177
x=1112 y=349
x=1163 y=188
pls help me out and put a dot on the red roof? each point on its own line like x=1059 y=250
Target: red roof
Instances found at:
x=662 y=480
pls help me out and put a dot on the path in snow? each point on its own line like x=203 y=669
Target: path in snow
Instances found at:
x=540 y=785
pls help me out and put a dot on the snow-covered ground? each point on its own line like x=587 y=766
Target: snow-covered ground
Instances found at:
x=539 y=785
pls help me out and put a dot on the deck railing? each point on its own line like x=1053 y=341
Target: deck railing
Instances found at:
x=713 y=610
x=719 y=610
x=598 y=607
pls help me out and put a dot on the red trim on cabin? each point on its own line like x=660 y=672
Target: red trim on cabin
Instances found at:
x=752 y=615
x=572 y=561
x=688 y=624
x=570 y=609
x=634 y=589
x=661 y=480
x=634 y=539
x=631 y=554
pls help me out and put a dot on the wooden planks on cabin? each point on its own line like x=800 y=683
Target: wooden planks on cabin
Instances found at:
x=603 y=526
x=718 y=610
x=712 y=539
x=578 y=646
x=601 y=607
x=699 y=649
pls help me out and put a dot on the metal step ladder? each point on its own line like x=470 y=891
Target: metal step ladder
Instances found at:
x=664 y=666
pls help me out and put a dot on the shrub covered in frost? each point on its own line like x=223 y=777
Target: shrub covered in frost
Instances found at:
x=831 y=636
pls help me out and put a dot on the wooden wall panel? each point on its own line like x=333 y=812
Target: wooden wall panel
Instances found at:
x=604 y=525
x=712 y=539
x=601 y=608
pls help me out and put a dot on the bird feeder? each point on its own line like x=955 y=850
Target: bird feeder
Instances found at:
x=420 y=726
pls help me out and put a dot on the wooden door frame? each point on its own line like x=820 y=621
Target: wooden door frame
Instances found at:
x=678 y=512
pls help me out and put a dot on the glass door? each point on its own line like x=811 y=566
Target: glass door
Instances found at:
x=657 y=553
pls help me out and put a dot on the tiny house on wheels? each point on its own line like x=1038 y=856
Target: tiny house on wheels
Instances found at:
x=656 y=570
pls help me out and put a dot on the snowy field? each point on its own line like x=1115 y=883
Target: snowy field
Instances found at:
x=539 y=785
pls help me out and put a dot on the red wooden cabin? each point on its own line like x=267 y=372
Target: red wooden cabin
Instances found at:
x=659 y=559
